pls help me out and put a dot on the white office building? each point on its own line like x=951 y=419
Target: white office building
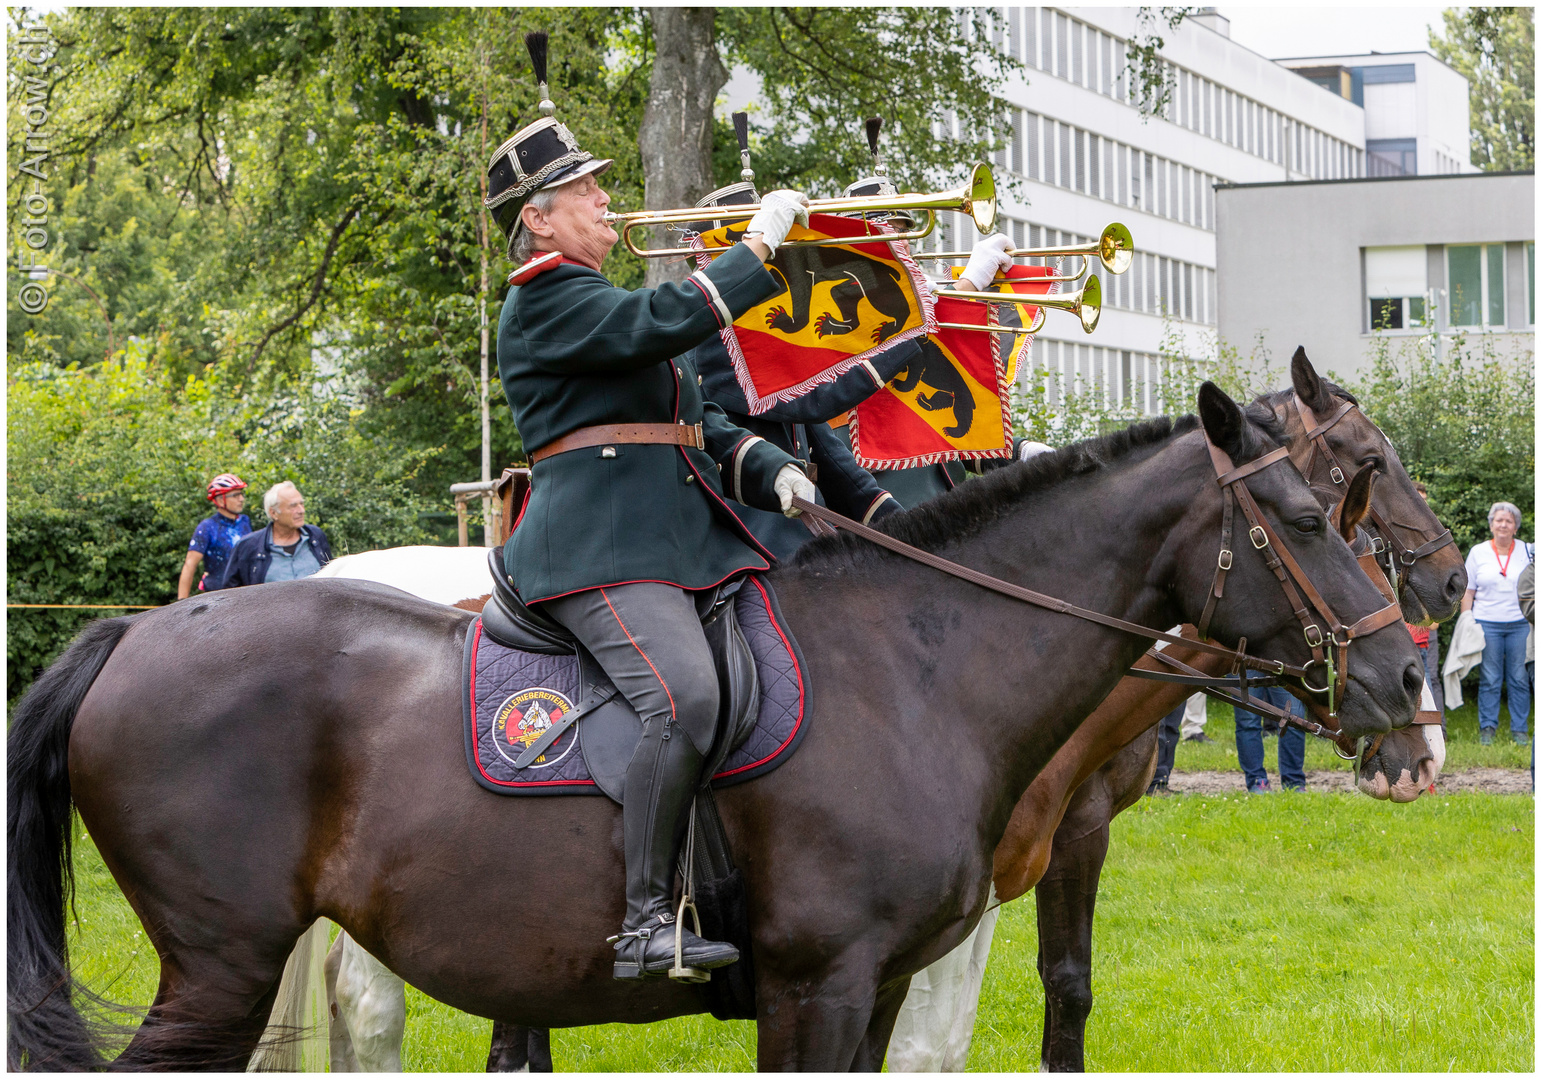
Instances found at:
x=1416 y=119
x=1081 y=156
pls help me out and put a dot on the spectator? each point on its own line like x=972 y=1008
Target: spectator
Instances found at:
x=1493 y=569
x=287 y=549
x=1250 y=743
x=1194 y=716
x=216 y=535
x=1167 y=745
x=1429 y=645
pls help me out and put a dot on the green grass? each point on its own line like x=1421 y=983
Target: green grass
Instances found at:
x=1316 y=932
x=1462 y=748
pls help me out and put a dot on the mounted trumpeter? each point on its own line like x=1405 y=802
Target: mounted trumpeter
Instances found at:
x=626 y=528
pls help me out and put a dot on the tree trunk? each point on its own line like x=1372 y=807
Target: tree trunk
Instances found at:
x=676 y=133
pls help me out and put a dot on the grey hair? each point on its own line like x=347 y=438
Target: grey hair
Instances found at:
x=522 y=245
x=1504 y=508
x=270 y=497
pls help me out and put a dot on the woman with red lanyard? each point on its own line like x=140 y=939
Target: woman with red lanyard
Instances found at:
x=1493 y=568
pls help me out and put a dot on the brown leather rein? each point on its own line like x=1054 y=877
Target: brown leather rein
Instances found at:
x=1292 y=578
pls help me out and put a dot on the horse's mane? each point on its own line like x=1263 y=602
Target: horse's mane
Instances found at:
x=970 y=507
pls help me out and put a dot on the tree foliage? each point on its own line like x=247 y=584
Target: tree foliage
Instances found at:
x=1495 y=48
x=106 y=473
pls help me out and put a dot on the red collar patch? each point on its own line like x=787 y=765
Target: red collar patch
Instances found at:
x=538 y=265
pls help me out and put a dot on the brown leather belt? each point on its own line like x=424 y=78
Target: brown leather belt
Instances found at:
x=623 y=434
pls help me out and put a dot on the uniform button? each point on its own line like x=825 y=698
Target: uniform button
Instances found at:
x=698 y=380
x=690 y=478
x=679 y=372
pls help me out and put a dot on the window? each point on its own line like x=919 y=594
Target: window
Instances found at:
x=1065 y=154
x=1395 y=286
x=1033 y=145
x=1081 y=159
x=1475 y=277
x=1078 y=68
x=1531 y=283
x=1062 y=67
x=1031 y=37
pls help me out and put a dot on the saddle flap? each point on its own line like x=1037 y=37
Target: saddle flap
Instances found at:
x=508 y=621
x=738 y=684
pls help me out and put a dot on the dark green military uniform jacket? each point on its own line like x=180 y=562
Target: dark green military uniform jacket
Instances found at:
x=574 y=351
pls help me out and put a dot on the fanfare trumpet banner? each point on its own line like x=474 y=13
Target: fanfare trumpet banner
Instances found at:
x=954 y=401
x=840 y=304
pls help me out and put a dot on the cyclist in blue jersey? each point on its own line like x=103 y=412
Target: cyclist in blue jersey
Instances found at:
x=216 y=535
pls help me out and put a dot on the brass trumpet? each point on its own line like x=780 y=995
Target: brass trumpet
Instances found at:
x=1115 y=249
x=1086 y=304
x=976 y=198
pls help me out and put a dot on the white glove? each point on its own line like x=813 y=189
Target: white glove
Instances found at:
x=988 y=259
x=776 y=215
x=791 y=482
x=1030 y=449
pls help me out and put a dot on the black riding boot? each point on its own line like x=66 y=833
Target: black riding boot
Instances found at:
x=660 y=783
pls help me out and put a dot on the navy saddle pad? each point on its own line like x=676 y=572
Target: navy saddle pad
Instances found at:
x=512 y=696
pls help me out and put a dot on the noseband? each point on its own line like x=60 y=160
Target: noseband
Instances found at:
x=1400 y=557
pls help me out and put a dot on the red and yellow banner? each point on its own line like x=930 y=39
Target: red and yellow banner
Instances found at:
x=953 y=402
x=840 y=304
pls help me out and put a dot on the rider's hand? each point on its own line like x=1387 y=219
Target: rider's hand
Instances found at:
x=988 y=259
x=775 y=218
x=1029 y=449
x=790 y=482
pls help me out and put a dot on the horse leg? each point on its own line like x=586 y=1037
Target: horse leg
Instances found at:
x=936 y=1023
x=372 y=1002
x=519 y=1049
x=870 y=1052
x=814 y=1023
x=207 y=1015
x=343 y=1058
x=1066 y=897
x=540 y=1050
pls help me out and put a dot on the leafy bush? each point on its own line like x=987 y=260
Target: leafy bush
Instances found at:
x=1462 y=421
x=106 y=475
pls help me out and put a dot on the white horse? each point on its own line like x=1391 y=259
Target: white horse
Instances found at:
x=366 y=1002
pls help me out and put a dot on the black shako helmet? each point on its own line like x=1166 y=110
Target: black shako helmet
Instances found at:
x=878 y=183
x=541 y=155
x=742 y=193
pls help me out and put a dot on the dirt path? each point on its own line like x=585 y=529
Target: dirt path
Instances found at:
x=1496 y=781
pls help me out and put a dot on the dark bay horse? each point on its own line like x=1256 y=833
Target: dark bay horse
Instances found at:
x=238 y=788
x=1057 y=840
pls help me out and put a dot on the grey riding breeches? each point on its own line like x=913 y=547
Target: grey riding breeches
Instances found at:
x=649 y=640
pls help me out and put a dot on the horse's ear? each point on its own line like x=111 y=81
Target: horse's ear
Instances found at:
x=1222 y=418
x=1303 y=376
x=1357 y=501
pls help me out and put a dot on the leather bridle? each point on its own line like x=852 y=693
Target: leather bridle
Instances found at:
x=1400 y=557
x=1308 y=604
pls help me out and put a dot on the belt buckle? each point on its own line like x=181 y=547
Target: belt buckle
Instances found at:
x=701 y=443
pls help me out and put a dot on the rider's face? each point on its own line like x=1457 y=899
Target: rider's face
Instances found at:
x=575 y=224
x=231 y=503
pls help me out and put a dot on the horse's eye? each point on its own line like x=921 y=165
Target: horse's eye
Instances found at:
x=1374 y=462
x=1307 y=526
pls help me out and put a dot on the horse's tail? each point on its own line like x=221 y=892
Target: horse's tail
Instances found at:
x=47 y=1031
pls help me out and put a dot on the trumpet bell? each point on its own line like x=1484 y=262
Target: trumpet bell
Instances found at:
x=1086 y=304
x=1116 y=248
x=981 y=204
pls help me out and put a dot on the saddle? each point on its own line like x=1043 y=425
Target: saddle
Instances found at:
x=541 y=718
x=608 y=728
